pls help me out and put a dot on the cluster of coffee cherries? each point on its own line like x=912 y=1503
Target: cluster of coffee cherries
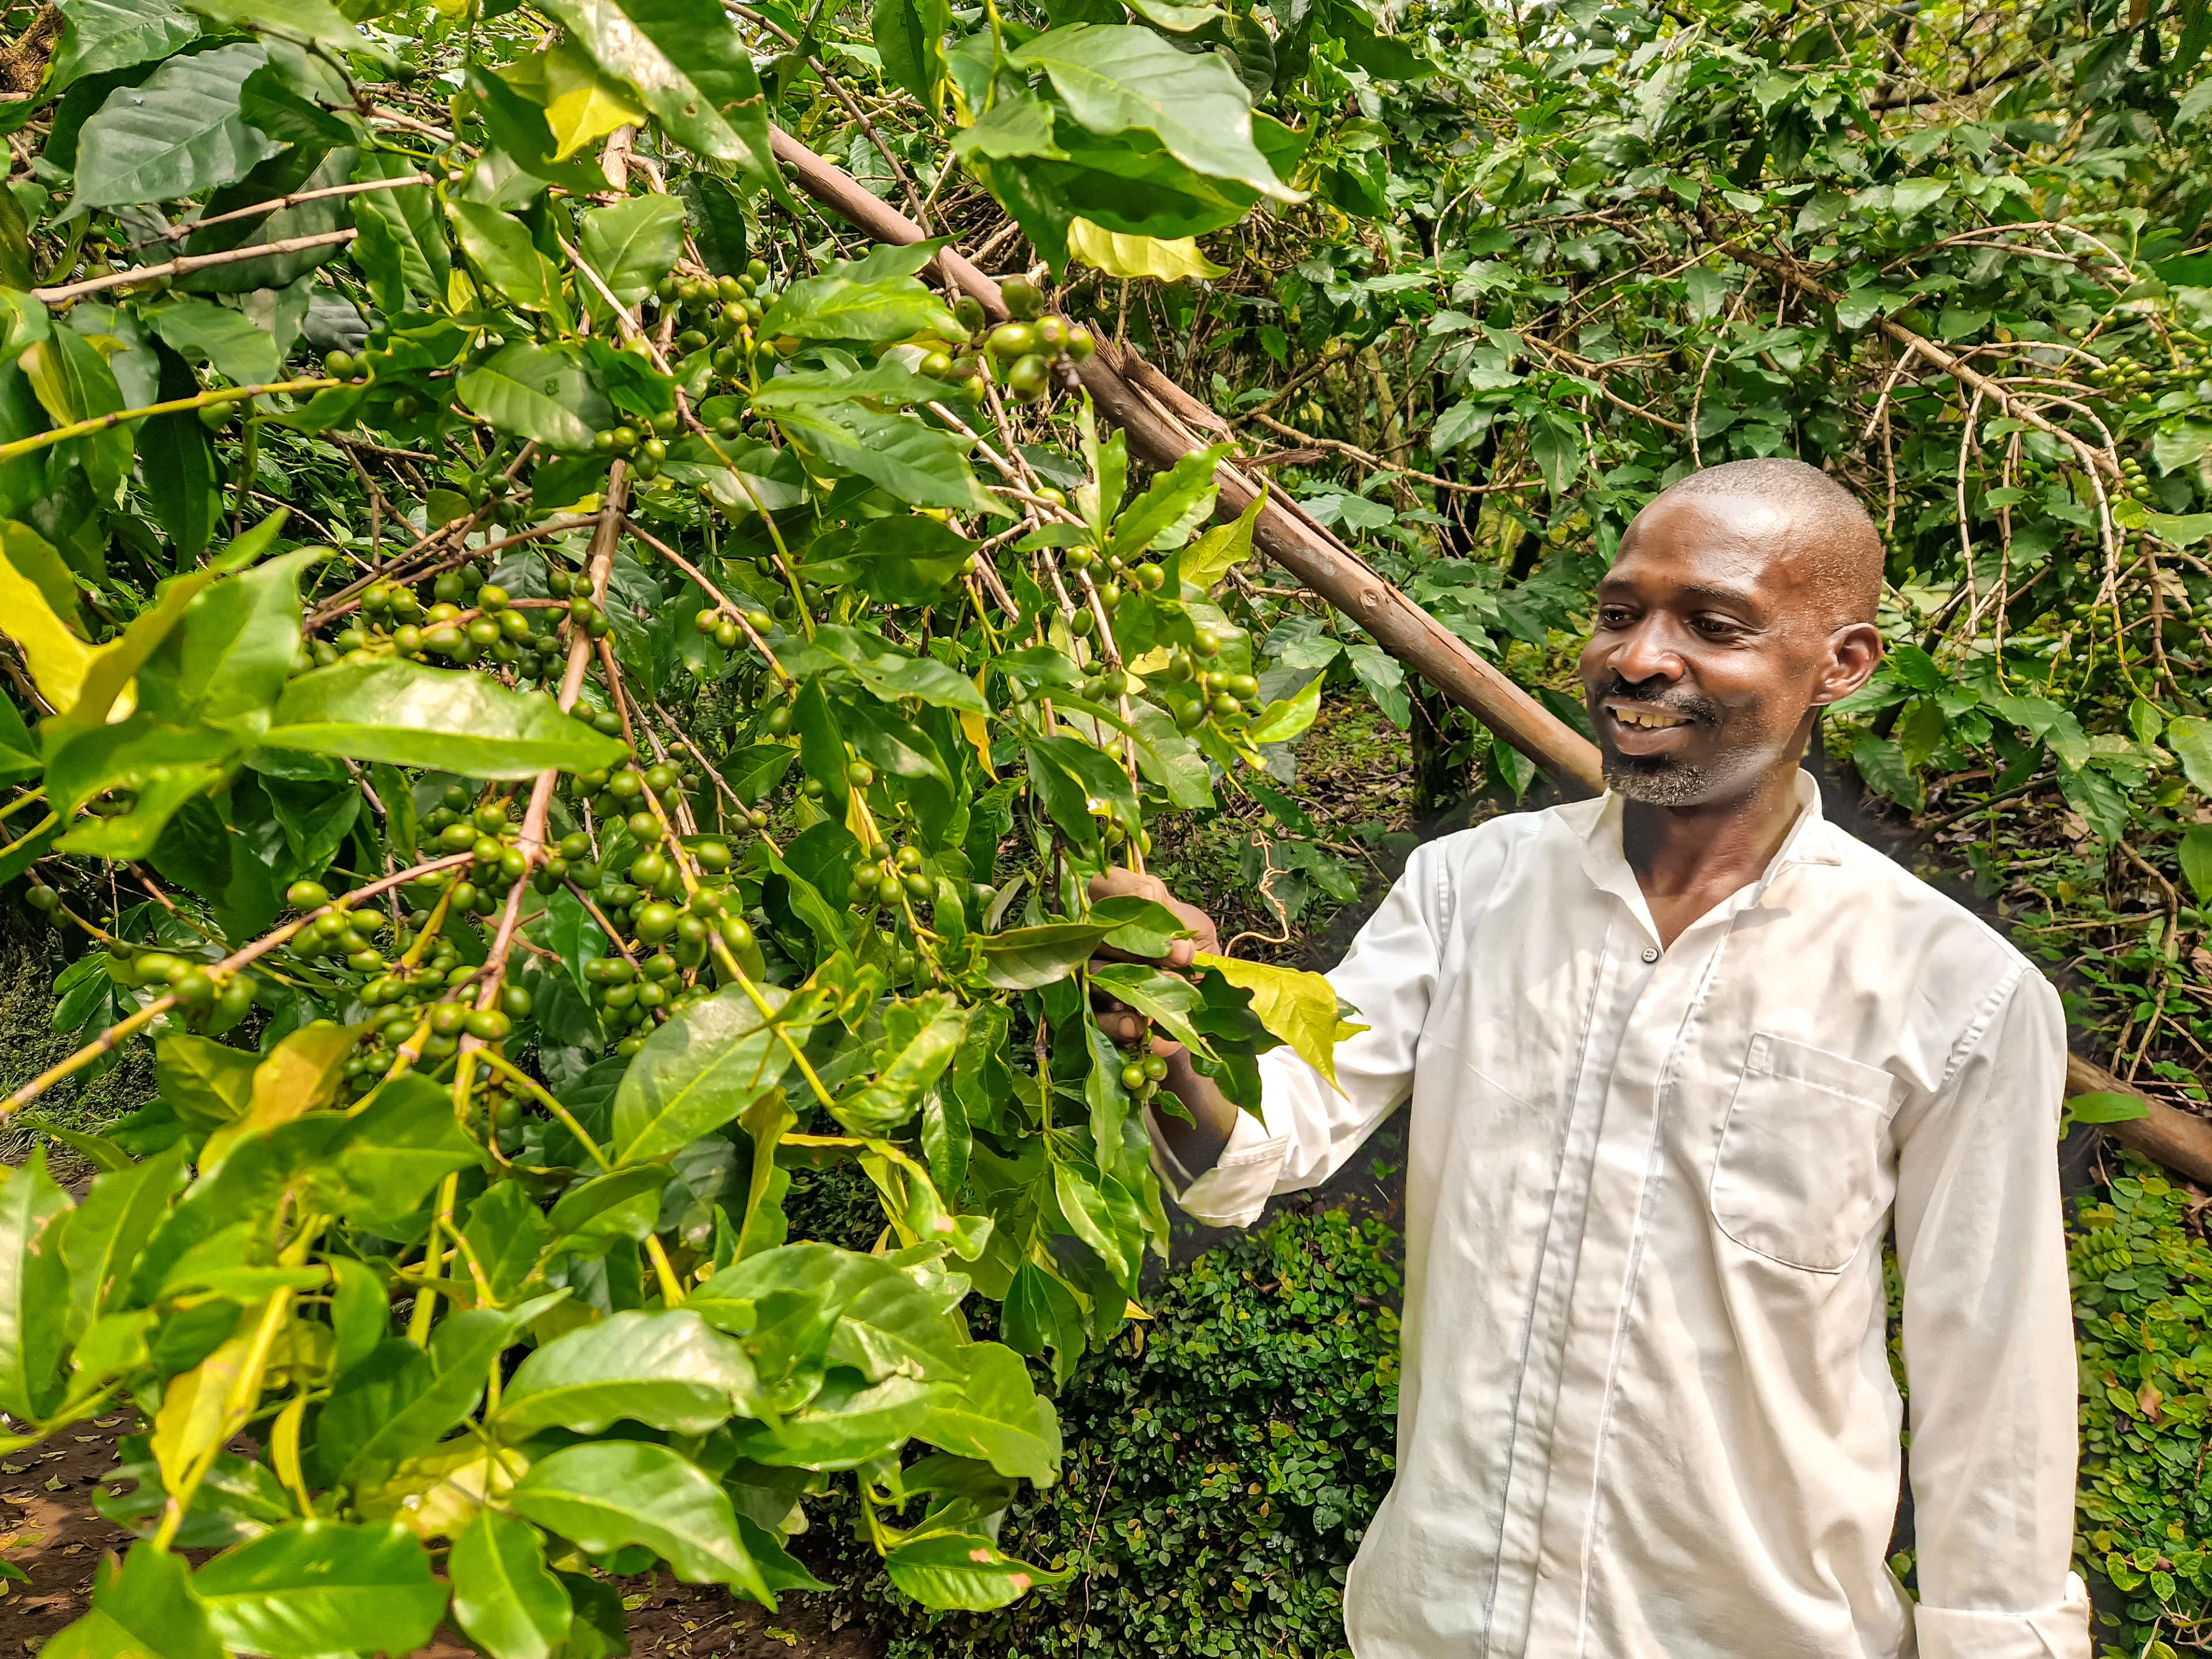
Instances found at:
x=1229 y=700
x=1019 y=354
x=211 y=1001
x=467 y=620
x=1115 y=579
x=721 y=314
x=2136 y=482
x=642 y=440
x=725 y=632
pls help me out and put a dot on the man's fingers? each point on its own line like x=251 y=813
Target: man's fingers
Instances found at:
x=1129 y=884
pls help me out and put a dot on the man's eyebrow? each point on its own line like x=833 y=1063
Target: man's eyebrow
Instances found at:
x=1734 y=599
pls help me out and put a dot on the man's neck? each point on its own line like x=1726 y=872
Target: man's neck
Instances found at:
x=1689 y=859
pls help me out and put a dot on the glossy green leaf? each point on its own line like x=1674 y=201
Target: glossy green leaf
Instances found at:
x=622 y=1204
x=400 y=1146
x=668 y=1371
x=99 y=35
x=892 y=1328
x=689 y=67
x=102 y=1237
x=207 y=1083
x=841 y=305
x=313 y=1588
x=997 y=1415
x=2107 y=1108
x=540 y=392
x=143 y=1609
x=315 y=22
x=375 y=1420
x=963 y=1570
x=411 y=715
x=177 y=134
x=898 y=561
x=633 y=243
x=698 y=1071
x=1183 y=492
x=203 y=332
x=505 y=1598
x=847 y=1423
x=1116 y=78
x=499 y=246
x=225 y=665
x=411 y=221
x=603 y=1495
x=35 y=1289
x=910 y=34
x=2196 y=854
x=73 y=382
x=1026 y=958
x=920 y=1036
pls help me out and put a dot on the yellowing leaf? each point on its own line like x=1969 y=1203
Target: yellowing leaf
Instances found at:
x=1300 y=1008
x=198 y=1410
x=1169 y=259
x=977 y=730
x=1286 y=717
x=437 y=1494
x=583 y=105
x=1222 y=547
x=301 y=1074
x=57 y=658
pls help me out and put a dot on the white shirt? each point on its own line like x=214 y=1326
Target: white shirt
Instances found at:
x=1646 y=1408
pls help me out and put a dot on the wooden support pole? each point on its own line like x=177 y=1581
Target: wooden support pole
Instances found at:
x=1164 y=424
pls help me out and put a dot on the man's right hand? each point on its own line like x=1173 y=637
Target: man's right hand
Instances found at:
x=1196 y=1144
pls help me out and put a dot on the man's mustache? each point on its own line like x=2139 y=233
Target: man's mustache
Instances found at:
x=1674 y=699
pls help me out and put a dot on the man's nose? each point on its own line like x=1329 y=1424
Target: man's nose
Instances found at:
x=1645 y=652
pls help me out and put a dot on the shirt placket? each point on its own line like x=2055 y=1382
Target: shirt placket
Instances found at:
x=1598 y=1259
x=1629 y=958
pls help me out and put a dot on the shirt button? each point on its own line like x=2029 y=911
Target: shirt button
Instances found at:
x=1651 y=953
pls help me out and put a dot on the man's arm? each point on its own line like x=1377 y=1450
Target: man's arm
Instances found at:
x=1194 y=1146
x=1227 y=1162
x=1988 y=1347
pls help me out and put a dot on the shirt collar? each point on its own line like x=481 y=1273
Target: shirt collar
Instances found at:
x=1811 y=839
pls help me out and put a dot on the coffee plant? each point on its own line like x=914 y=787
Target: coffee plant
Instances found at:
x=553 y=704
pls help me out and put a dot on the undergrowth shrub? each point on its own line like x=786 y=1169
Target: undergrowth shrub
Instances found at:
x=1223 y=1461
x=2142 y=1295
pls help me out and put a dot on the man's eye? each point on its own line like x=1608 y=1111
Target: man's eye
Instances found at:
x=1615 y=616
x=1718 y=628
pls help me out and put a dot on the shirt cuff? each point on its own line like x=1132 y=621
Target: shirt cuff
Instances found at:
x=1242 y=1179
x=2057 y=1632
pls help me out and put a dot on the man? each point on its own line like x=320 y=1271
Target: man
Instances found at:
x=1679 y=1060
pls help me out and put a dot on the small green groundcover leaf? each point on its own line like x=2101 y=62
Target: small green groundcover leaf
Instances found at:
x=2106 y=1107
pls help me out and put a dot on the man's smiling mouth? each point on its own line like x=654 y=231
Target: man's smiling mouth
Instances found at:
x=1651 y=719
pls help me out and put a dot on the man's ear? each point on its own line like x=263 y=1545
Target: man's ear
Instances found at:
x=1854 y=651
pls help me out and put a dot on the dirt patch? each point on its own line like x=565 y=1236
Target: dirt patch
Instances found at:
x=50 y=1532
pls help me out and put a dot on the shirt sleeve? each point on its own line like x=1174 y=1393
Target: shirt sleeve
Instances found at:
x=1307 y=1129
x=1988 y=1345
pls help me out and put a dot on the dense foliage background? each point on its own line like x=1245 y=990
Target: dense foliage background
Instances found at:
x=874 y=646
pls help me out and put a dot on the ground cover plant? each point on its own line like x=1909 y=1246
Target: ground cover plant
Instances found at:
x=554 y=689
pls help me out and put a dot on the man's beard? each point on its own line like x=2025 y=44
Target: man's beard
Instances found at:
x=1660 y=780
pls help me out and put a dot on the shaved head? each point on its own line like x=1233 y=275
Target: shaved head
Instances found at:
x=1826 y=535
x=1741 y=602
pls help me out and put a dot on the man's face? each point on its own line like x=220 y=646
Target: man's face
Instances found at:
x=1709 y=650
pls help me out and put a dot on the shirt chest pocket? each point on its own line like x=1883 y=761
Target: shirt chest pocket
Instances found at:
x=1800 y=1175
